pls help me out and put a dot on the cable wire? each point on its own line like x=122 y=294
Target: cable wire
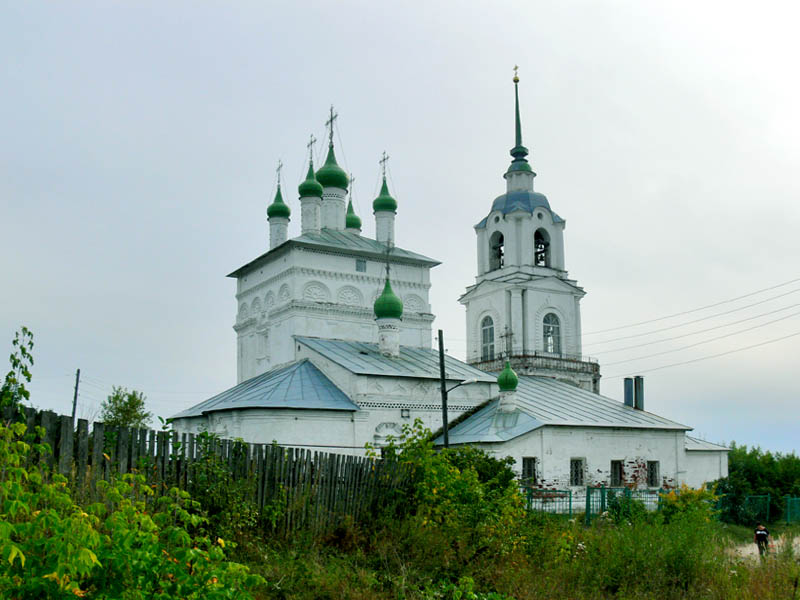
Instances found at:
x=702 y=358
x=691 y=333
x=727 y=312
x=700 y=343
x=686 y=312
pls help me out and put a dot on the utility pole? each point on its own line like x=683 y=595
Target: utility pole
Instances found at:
x=75 y=397
x=444 y=390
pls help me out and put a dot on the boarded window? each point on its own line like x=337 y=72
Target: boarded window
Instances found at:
x=529 y=470
x=576 y=469
x=361 y=265
x=653 y=474
x=487 y=339
x=616 y=473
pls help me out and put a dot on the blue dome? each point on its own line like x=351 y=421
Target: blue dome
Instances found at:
x=520 y=200
x=527 y=201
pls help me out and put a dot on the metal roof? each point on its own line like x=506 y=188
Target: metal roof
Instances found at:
x=365 y=359
x=329 y=239
x=299 y=385
x=694 y=444
x=544 y=401
x=520 y=200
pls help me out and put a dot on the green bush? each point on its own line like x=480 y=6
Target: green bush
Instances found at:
x=127 y=546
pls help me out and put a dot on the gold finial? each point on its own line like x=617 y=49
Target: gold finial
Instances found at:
x=516 y=76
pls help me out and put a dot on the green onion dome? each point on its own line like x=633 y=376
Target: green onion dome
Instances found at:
x=388 y=305
x=331 y=174
x=278 y=208
x=507 y=380
x=351 y=220
x=310 y=187
x=384 y=201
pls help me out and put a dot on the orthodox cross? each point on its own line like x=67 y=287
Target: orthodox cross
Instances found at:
x=278 y=171
x=352 y=181
x=310 y=147
x=507 y=336
x=329 y=125
x=384 y=159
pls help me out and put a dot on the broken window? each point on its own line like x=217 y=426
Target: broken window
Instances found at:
x=541 y=248
x=496 y=251
x=576 y=469
x=551 y=330
x=616 y=473
x=653 y=474
x=487 y=339
x=529 y=470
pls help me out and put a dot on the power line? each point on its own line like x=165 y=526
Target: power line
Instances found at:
x=691 y=333
x=700 y=343
x=727 y=312
x=686 y=312
x=702 y=358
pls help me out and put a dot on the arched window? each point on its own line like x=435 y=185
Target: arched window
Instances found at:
x=541 y=248
x=551 y=329
x=487 y=339
x=496 y=257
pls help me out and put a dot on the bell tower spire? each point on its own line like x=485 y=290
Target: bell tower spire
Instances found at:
x=519 y=175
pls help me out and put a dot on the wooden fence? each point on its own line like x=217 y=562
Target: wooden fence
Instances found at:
x=298 y=488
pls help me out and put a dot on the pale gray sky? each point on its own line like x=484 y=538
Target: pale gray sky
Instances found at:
x=138 y=142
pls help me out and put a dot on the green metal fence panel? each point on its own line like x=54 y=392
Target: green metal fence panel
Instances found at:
x=756 y=508
x=792 y=509
x=549 y=501
x=619 y=502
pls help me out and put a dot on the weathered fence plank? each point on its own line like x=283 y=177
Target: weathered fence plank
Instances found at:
x=65 y=446
x=83 y=452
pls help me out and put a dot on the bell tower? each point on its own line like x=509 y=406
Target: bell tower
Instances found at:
x=523 y=307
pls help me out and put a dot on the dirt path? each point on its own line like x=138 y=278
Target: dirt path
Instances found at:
x=751 y=550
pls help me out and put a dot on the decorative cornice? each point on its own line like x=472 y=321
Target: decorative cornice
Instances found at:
x=332 y=308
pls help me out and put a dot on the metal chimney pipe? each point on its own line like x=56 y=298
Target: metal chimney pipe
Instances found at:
x=629 y=391
x=638 y=392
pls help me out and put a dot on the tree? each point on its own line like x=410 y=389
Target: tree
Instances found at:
x=125 y=408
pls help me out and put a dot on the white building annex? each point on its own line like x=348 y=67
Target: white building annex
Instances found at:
x=334 y=333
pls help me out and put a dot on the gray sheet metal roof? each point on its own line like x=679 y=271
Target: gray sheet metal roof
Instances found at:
x=694 y=444
x=544 y=401
x=299 y=385
x=519 y=200
x=329 y=239
x=365 y=359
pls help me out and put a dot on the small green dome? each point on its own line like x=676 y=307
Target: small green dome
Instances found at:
x=310 y=187
x=507 y=380
x=384 y=201
x=388 y=305
x=331 y=174
x=352 y=220
x=278 y=208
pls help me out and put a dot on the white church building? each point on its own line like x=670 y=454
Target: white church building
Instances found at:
x=334 y=346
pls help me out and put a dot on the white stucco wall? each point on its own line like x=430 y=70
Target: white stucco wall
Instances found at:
x=321 y=294
x=705 y=466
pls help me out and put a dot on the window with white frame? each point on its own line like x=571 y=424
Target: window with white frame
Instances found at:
x=551 y=330
x=487 y=339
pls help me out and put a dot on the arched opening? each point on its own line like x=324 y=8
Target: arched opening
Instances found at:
x=487 y=339
x=551 y=330
x=541 y=248
x=496 y=256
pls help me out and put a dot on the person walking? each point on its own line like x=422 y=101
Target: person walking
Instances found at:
x=761 y=538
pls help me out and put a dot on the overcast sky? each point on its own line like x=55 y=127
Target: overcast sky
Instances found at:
x=138 y=144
